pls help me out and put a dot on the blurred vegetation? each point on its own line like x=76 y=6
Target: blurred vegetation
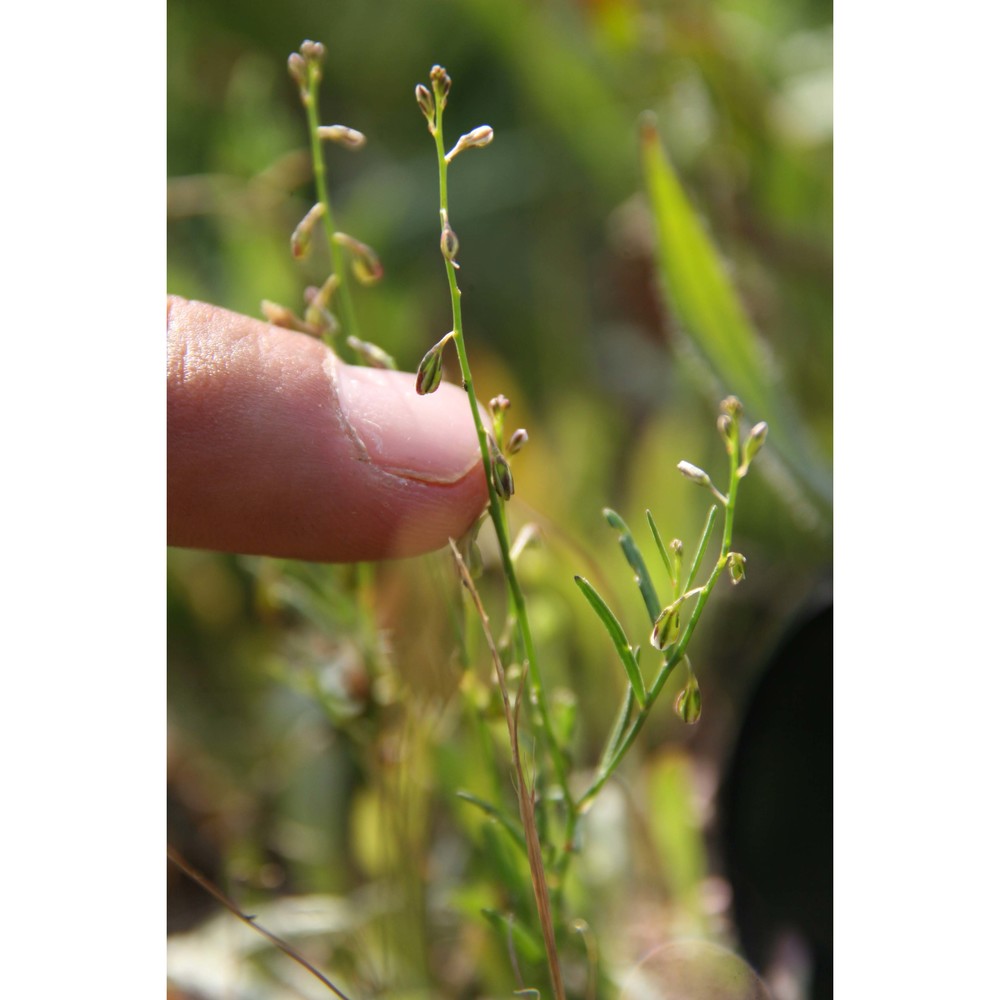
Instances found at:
x=317 y=741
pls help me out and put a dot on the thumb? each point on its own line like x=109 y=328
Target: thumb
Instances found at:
x=276 y=447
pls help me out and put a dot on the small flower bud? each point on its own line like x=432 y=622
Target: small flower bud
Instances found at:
x=320 y=320
x=313 y=51
x=677 y=547
x=503 y=479
x=321 y=296
x=499 y=405
x=696 y=475
x=429 y=371
x=688 y=702
x=726 y=425
x=365 y=264
x=349 y=137
x=737 y=566
x=517 y=441
x=278 y=315
x=297 y=69
x=667 y=626
x=302 y=237
x=754 y=442
x=481 y=136
x=449 y=243
x=425 y=101
x=441 y=83
x=732 y=406
x=371 y=354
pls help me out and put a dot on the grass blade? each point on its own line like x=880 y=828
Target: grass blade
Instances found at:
x=712 y=316
x=617 y=633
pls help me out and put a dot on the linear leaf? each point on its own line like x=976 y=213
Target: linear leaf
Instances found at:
x=617 y=634
x=635 y=560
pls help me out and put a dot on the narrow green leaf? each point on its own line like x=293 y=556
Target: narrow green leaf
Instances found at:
x=635 y=560
x=507 y=822
x=621 y=723
x=712 y=316
x=667 y=561
x=617 y=634
x=702 y=546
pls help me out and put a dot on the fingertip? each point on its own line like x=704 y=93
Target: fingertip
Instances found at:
x=278 y=448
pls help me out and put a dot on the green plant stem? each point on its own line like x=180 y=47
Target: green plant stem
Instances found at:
x=679 y=651
x=311 y=102
x=496 y=504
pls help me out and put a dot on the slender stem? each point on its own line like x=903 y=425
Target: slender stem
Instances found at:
x=311 y=101
x=496 y=504
x=250 y=921
x=679 y=651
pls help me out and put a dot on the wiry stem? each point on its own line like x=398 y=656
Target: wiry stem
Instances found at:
x=310 y=100
x=282 y=945
x=497 y=515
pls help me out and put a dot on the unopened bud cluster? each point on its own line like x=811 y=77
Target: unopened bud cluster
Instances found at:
x=371 y=354
x=306 y=67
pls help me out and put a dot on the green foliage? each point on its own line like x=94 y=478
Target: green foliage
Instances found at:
x=342 y=730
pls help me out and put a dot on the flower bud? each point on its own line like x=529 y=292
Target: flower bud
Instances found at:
x=499 y=405
x=732 y=406
x=297 y=70
x=503 y=479
x=677 y=548
x=726 y=426
x=449 y=243
x=278 y=315
x=696 y=475
x=429 y=370
x=314 y=52
x=321 y=296
x=481 y=136
x=349 y=137
x=688 y=702
x=365 y=264
x=425 y=101
x=517 y=441
x=302 y=236
x=667 y=626
x=371 y=354
x=737 y=566
x=754 y=442
x=441 y=83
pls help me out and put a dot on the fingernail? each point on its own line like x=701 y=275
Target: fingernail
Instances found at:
x=428 y=438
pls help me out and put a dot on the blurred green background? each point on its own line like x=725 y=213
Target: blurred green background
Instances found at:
x=284 y=784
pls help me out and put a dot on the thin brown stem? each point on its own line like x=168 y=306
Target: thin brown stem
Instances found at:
x=525 y=798
x=282 y=945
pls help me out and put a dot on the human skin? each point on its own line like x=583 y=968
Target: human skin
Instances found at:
x=276 y=447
